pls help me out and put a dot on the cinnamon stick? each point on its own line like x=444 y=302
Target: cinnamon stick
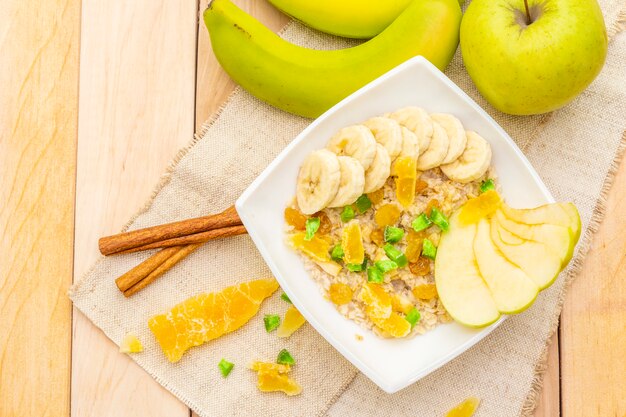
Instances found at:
x=180 y=253
x=195 y=238
x=110 y=245
x=142 y=270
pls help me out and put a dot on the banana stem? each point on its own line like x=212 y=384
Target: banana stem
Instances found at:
x=528 y=21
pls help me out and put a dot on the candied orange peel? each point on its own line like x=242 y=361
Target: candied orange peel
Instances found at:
x=406 y=171
x=273 y=377
x=480 y=207
x=352 y=243
x=293 y=321
x=317 y=248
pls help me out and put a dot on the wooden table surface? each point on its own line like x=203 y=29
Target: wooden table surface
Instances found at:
x=95 y=100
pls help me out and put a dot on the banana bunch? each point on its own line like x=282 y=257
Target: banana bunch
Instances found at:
x=308 y=82
x=360 y=158
x=348 y=18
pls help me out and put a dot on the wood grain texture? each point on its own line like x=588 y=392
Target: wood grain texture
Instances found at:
x=549 y=400
x=137 y=88
x=593 y=326
x=38 y=103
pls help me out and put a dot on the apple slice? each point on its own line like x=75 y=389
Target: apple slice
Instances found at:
x=512 y=290
x=461 y=289
x=556 y=238
x=534 y=258
x=559 y=214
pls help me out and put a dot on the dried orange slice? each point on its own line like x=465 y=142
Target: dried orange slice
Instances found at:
x=340 y=293
x=406 y=170
x=208 y=316
x=465 y=408
x=395 y=325
x=482 y=206
x=387 y=215
x=273 y=377
x=317 y=248
x=377 y=301
x=292 y=322
x=352 y=244
x=131 y=344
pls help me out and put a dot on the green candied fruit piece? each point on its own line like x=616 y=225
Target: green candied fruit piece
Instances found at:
x=312 y=224
x=395 y=255
x=429 y=249
x=225 y=367
x=439 y=219
x=272 y=321
x=375 y=275
x=363 y=203
x=285 y=358
x=337 y=253
x=393 y=234
x=421 y=222
x=413 y=317
x=285 y=297
x=487 y=185
x=386 y=265
x=347 y=214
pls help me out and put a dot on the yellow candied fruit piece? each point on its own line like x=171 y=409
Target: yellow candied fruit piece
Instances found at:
x=465 y=408
x=266 y=367
x=352 y=244
x=387 y=215
x=401 y=304
x=295 y=218
x=480 y=207
x=131 y=344
x=406 y=170
x=293 y=321
x=316 y=248
x=420 y=186
x=395 y=325
x=272 y=382
x=378 y=237
x=340 y=293
x=413 y=250
x=377 y=301
x=376 y=196
x=425 y=291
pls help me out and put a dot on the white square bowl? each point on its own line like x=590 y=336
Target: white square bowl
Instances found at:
x=390 y=363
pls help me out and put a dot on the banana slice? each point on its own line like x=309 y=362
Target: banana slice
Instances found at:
x=410 y=147
x=351 y=183
x=473 y=162
x=456 y=135
x=356 y=141
x=416 y=120
x=388 y=133
x=437 y=150
x=318 y=181
x=377 y=174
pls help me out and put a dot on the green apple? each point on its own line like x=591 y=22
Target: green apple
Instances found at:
x=461 y=289
x=512 y=290
x=534 y=258
x=532 y=56
x=560 y=214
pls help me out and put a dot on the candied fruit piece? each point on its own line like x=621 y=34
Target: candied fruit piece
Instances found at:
x=420 y=267
x=292 y=322
x=377 y=301
x=413 y=250
x=406 y=171
x=376 y=196
x=340 y=293
x=271 y=382
x=401 y=303
x=316 y=248
x=352 y=244
x=413 y=237
x=465 y=408
x=395 y=325
x=378 y=237
x=131 y=344
x=325 y=224
x=265 y=367
x=420 y=186
x=425 y=291
x=482 y=206
x=387 y=215
x=295 y=218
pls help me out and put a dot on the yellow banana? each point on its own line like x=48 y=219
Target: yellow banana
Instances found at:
x=308 y=82
x=347 y=18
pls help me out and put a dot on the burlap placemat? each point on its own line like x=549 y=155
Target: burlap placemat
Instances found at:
x=575 y=150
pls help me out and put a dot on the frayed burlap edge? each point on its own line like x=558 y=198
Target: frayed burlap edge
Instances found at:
x=599 y=212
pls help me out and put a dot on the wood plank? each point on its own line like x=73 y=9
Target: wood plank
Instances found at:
x=549 y=401
x=39 y=84
x=593 y=329
x=213 y=85
x=137 y=87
